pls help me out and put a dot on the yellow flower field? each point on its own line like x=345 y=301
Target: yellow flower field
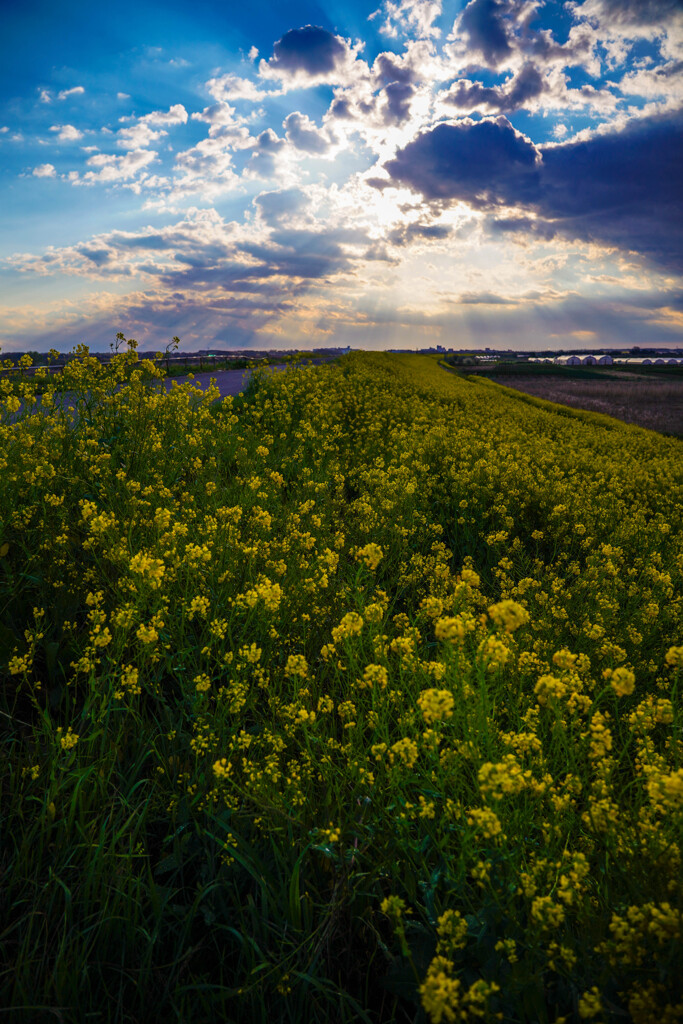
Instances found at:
x=355 y=698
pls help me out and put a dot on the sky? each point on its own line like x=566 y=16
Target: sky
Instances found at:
x=492 y=173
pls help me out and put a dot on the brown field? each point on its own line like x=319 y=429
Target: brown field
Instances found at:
x=655 y=404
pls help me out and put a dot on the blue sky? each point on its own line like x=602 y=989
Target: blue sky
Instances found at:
x=502 y=173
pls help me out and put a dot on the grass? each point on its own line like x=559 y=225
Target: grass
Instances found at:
x=356 y=698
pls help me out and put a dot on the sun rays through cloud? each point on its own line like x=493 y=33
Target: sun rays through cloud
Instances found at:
x=500 y=173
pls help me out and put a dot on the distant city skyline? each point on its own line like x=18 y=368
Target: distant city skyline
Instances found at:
x=493 y=173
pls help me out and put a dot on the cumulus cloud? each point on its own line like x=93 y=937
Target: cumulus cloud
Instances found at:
x=619 y=188
x=303 y=134
x=408 y=17
x=232 y=87
x=67 y=132
x=44 y=171
x=206 y=167
x=483 y=163
x=263 y=162
x=150 y=127
x=308 y=56
x=528 y=85
x=483 y=23
x=108 y=168
x=274 y=206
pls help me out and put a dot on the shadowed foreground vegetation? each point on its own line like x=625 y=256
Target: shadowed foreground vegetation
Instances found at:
x=356 y=698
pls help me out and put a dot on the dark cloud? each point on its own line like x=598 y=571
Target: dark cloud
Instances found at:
x=483 y=163
x=524 y=225
x=139 y=241
x=504 y=99
x=621 y=189
x=482 y=22
x=310 y=49
x=411 y=232
x=99 y=257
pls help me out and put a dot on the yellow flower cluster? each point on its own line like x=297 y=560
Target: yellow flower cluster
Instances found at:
x=497 y=730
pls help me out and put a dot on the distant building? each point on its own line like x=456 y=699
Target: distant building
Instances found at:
x=568 y=361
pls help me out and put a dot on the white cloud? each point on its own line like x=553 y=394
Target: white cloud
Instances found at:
x=138 y=136
x=67 y=132
x=232 y=87
x=304 y=134
x=123 y=96
x=225 y=124
x=45 y=96
x=44 y=171
x=414 y=17
x=77 y=90
x=253 y=53
x=4 y=129
x=109 y=168
x=149 y=128
x=174 y=115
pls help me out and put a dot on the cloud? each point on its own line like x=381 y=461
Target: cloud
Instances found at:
x=109 y=168
x=232 y=87
x=123 y=96
x=483 y=24
x=45 y=96
x=44 y=171
x=150 y=127
x=618 y=189
x=524 y=87
x=629 y=13
x=263 y=162
x=409 y=17
x=67 y=132
x=176 y=114
x=309 y=55
x=274 y=206
x=303 y=134
x=77 y=90
x=206 y=167
x=482 y=163
x=484 y=299
x=407 y=234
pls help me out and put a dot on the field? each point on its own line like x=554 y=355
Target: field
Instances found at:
x=650 y=400
x=353 y=698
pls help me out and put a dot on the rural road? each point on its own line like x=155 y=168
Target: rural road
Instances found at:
x=229 y=382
